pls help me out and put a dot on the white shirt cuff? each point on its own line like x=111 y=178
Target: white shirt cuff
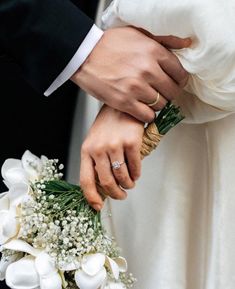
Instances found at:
x=78 y=59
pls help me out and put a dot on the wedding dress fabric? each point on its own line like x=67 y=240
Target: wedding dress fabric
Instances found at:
x=177 y=226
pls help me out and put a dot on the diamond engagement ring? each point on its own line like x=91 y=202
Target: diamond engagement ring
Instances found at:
x=116 y=165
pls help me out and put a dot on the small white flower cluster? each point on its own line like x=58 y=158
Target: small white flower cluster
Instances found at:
x=50 y=235
x=51 y=171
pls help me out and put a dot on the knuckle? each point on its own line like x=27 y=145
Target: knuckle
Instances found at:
x=107 y=184
x=130 y=143
x=123 y=179
x=164 y=58
x=114 y=146
x=154 y=48
x=133 y=86
x=160 y=52
x=122 y=99
x=127 y=184
x=85 y=148
x=98 y=150
x=147 y=70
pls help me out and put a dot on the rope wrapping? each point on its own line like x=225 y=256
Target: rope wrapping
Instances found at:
x=151 y=140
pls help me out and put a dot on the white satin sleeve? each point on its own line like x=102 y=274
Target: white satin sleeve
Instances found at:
x=210 y=93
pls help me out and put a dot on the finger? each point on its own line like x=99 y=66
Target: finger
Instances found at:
x=155 y=96
x=133 y=157
x=165 y=85
x=173 y=68
x=169 y=41
x=141 y=111
x=88 y=182
x=121 y=174
x=173 y=42
x=106 y=178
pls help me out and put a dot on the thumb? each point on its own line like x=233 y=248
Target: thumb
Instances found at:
x=173 y=42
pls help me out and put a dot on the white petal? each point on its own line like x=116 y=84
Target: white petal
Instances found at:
x=4 y=201
x=17 y=193
x=92 y=264
x=22 y=274
x=45 y=265
x=21 y=246
x=85 y=281
x=113 y=267
x=9 y=226
x=13 y=172
x=32 y=165
x=10 y=164
x=44 y=159
x=122 y=264
x=5 y=263
x=52 y=281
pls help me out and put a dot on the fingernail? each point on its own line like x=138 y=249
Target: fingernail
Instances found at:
x=97 y=207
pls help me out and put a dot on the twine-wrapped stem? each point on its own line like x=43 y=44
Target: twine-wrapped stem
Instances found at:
x=151 y=140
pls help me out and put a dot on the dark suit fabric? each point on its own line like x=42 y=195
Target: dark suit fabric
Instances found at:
x=37 y=39
x=41 y=36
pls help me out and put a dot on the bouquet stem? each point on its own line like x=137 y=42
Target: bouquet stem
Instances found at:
x=169 y=117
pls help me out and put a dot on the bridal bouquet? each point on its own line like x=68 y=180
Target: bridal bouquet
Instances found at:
x=49 y=235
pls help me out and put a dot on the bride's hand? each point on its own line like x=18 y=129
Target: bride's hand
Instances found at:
x=114 y=136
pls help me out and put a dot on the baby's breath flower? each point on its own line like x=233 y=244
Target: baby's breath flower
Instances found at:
x=59 y=220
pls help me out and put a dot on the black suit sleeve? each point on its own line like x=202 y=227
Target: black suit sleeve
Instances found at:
x=41 y=36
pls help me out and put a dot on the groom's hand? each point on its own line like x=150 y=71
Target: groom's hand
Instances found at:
x=127 y=69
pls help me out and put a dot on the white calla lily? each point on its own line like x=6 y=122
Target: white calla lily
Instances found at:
x=92 y=264
x=113 y=267
x=92 y=274
x=122 y=264
x=52 y=281
x=44 y=159
x=9 y=211
x=32 y=165
x=85 y=281
x=45 y=265
x=9 y=226
x=4 y=201
x=22 y=274
x=17 y=193
x=13 y=172
x=49 y=275
x=44 y=270
x=22 y=171
x=21 y=246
